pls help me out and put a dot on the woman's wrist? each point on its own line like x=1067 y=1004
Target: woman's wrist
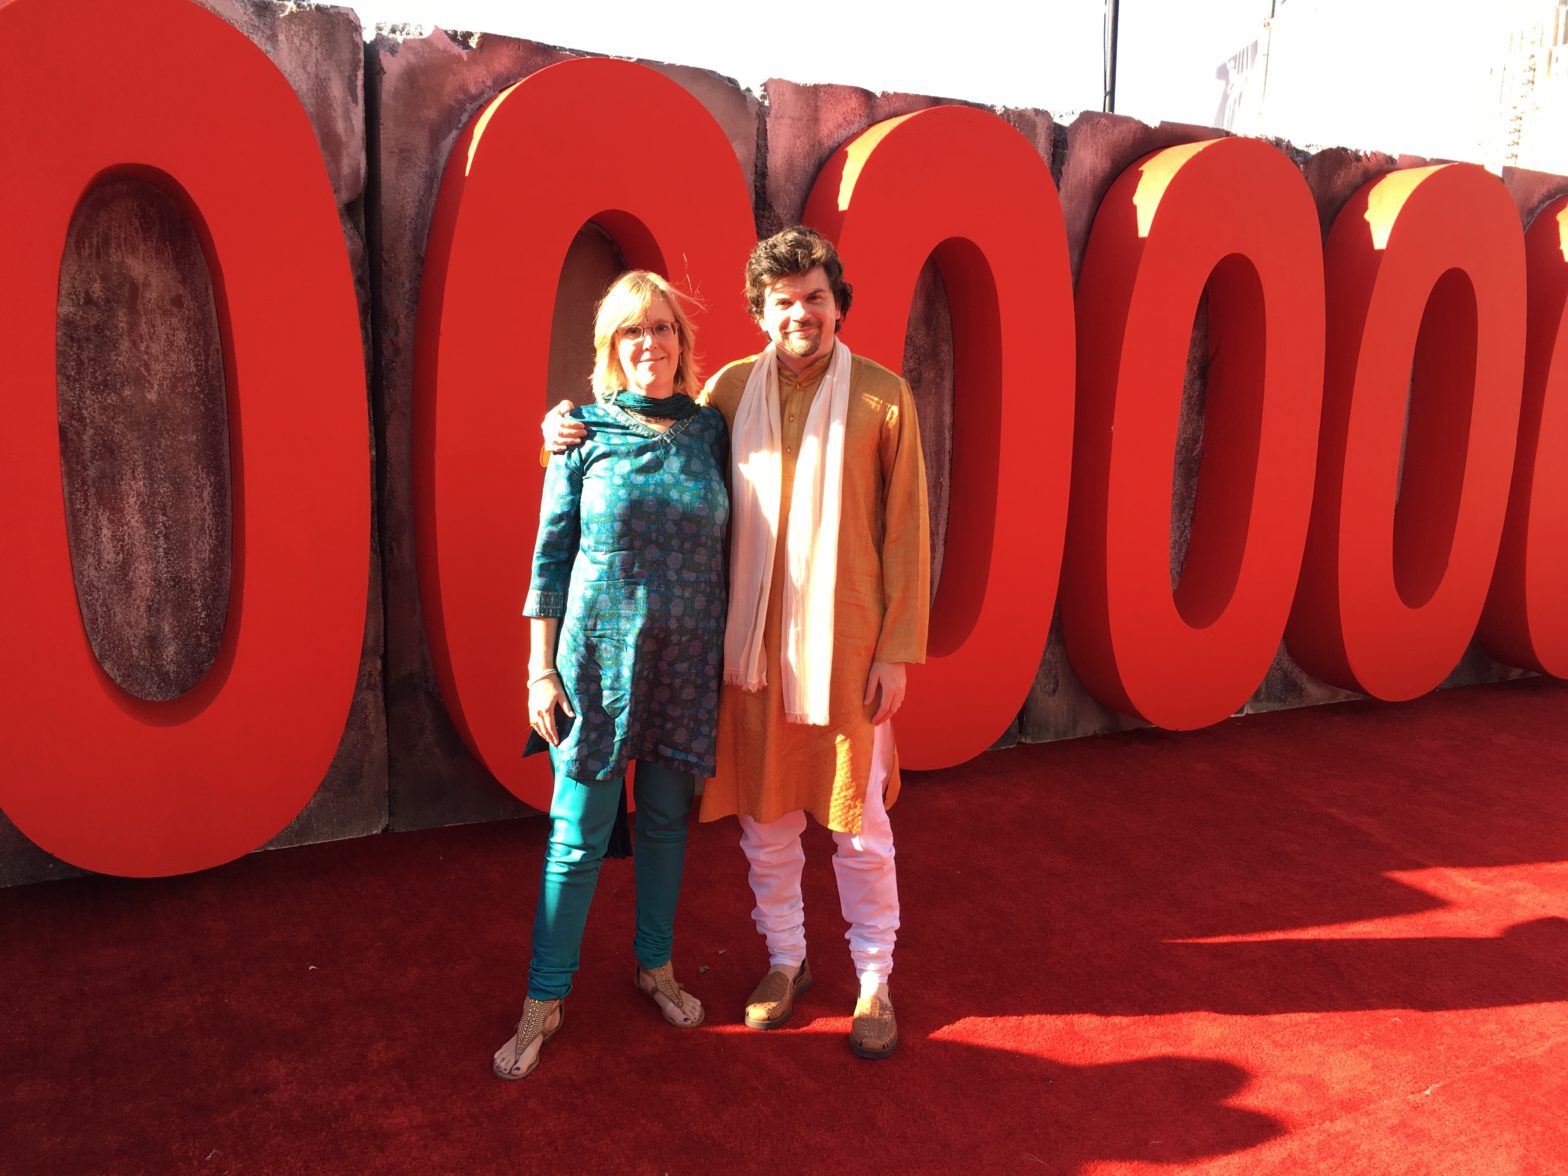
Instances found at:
x=542 y=675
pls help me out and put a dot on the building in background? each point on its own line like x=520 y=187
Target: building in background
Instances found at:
x=1488 y=84
x=1532 y=86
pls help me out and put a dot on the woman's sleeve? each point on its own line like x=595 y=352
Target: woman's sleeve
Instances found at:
x=556 y=546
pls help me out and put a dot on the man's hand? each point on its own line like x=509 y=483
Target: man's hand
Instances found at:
x=887 y=677
x=560 y=431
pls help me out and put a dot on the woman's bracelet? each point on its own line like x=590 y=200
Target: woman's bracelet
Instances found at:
x=542 y=677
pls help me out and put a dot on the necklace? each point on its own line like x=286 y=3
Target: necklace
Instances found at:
x=654 y=423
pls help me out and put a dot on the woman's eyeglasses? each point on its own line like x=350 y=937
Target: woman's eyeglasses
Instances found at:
x=659 y=332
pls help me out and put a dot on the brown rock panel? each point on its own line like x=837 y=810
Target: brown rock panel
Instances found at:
x=1476 y=667
x=1058 y=706
x=22 y=862
x=1189 y=440
x=1038 y=127
x=592 y=263
x=928 y=366
x=144 y=445
x=1336 y=174
x=1287 y=685
x=1532 y=191
x=424 y=89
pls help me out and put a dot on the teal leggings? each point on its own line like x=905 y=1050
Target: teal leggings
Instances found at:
x=581 y=817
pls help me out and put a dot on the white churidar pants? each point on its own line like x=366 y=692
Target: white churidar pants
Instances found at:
x=867 y=880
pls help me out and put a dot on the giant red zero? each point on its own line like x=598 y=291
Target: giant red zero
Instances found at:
x=1424 y=289
x=181 y=99
x=525 y=175
x=1425 y=351
x=1232 y=217
x=1525 y=623
x=893 y=196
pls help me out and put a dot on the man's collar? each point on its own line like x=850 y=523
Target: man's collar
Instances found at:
x=812 y=371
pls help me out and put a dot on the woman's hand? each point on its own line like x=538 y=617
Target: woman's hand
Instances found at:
x=544 y=695
x=562 y=432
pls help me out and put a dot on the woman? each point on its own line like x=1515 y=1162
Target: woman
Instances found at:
x=627 y=610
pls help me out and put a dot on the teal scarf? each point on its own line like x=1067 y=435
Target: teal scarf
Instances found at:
x=675 y=407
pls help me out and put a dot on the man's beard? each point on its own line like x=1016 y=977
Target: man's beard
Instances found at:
x=801 y=345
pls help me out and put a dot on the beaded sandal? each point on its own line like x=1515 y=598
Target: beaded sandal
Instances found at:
x=661 y=982
x=534 y=1023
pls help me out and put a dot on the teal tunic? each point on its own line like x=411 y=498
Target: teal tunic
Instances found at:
x=630 y=556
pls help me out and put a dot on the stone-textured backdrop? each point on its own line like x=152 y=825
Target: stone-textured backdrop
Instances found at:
x=142 y=407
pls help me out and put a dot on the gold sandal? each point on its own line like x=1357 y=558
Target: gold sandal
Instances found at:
x=534 y=1023
x=664 y=984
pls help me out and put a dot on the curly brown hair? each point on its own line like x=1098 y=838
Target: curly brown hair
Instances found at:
x=789 y=253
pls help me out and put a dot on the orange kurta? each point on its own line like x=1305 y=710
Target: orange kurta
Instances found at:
x=769 y=767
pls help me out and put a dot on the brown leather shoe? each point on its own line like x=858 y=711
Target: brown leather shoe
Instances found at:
x=773 y=1000
x=874 y=1033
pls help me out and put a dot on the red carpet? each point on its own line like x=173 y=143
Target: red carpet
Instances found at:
x=1328 y=940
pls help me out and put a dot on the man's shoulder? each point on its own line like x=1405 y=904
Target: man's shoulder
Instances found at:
x=724 y=388
x=862 y=368
x=734 y=372
x=870 y=380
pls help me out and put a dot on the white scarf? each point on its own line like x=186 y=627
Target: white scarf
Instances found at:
x=811 y=544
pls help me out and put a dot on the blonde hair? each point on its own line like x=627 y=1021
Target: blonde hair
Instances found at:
x=627 y=301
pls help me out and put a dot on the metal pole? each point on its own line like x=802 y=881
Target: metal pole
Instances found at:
x=1109 y=104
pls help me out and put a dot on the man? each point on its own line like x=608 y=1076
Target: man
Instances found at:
x=829 y=594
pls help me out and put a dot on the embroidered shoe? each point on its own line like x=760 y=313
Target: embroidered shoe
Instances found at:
x=773 y=1000
x=874 y=1033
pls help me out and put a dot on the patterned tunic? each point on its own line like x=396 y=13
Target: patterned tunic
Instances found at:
x=630 y=555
